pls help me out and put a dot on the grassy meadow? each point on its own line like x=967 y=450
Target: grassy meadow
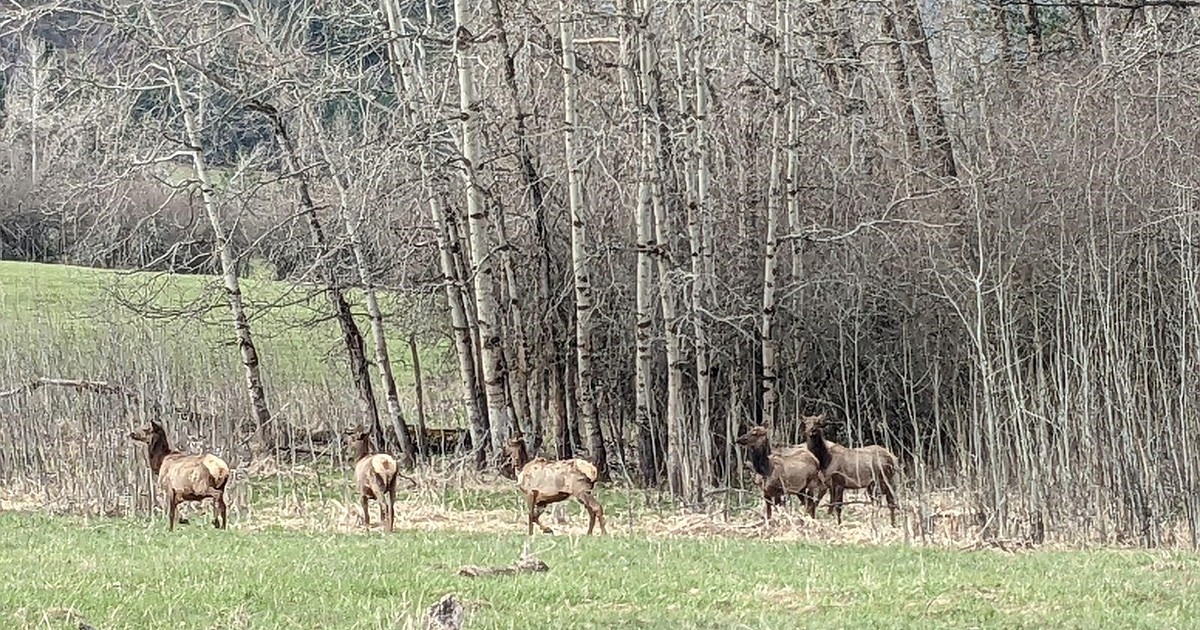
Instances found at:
x=70 y=313
x=115 y=573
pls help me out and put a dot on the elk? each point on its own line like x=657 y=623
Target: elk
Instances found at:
x=375 y=477
x=851 y=468
x=544 y=482
x=792 y=470
x=184 y=477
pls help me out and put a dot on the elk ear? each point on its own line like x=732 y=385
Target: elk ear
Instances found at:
x=156 y=425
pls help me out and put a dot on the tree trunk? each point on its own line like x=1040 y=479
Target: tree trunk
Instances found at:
x=699 y=227
x=536 y=196
x=419 y=391
x=770 y=393
x=593 y=433
x=902 y=95
x=463 y=342
x=382 y=357
x=351 y=336
x=1033 y=29
x=224 y=253
x=479 y=226
x=925 y=89
x=648 y=464
x=680 y=477
x=447 y=242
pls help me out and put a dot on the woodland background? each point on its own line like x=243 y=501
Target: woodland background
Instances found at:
x=967 y=230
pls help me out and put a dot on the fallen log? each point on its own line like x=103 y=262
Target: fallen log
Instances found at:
x=99 y=387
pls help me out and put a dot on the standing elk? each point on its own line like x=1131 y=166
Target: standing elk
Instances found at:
x=851 y=468
x=374 y=476
x=544 y=482
x=783 y=471
x=184 y=477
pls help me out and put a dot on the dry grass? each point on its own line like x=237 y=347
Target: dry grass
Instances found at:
x=447 y=498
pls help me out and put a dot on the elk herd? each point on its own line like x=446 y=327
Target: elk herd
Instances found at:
x=808 y=471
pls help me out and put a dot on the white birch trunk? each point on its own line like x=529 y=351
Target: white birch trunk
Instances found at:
x=699 y=227
x=446 y=242
x=383 y=360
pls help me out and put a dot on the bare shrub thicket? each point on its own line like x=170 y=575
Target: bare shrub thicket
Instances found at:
x=966 y=231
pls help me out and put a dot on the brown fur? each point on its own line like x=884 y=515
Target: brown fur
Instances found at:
x=185 y=477
x=851 y=468
x=544 y=482
x=783 y=471
x=375 y=477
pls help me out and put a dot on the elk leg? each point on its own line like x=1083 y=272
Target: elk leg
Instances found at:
x=767 y=500
x=173 y=511
x=531 y=504
x=537 y=518
x=836 y=492
x=224 y=511
x=886 y=488
x=595 y=511
x=816 y=491
x=215 y=495
x=390 y=505
x=366 y=513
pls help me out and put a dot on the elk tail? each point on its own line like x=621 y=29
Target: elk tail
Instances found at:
x=217 y=468
x=384 y=466
x=588 y=469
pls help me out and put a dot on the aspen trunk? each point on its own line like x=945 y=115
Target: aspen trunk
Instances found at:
x=648 y=463
x=224 y=253
x=579 y=258
x=351 y=335
x=680 y=477
x=536 y=195
x=699 y=227
x=463 y=343
x=770 y=393
x=925 y=89
x=378 y=334
x=419 y=391
x=495 y=381
x=447 y=243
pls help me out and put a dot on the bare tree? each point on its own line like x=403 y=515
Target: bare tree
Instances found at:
x=480 y=228
x=579 y=256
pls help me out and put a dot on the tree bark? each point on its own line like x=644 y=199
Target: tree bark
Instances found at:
x=378 y=333
x=479 y=225
x=648 y=463
x=351 y=335
x=699 y=228
x=680 y=477
x=453 y=281
x=224 y=252
x=536 y=196
x=463 y=342
x=925 y=88
x=419 y=392
x=579 y=257
x=770 y=393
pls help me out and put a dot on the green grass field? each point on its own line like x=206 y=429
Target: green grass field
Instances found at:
x=80 y=309
x=134 y=574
